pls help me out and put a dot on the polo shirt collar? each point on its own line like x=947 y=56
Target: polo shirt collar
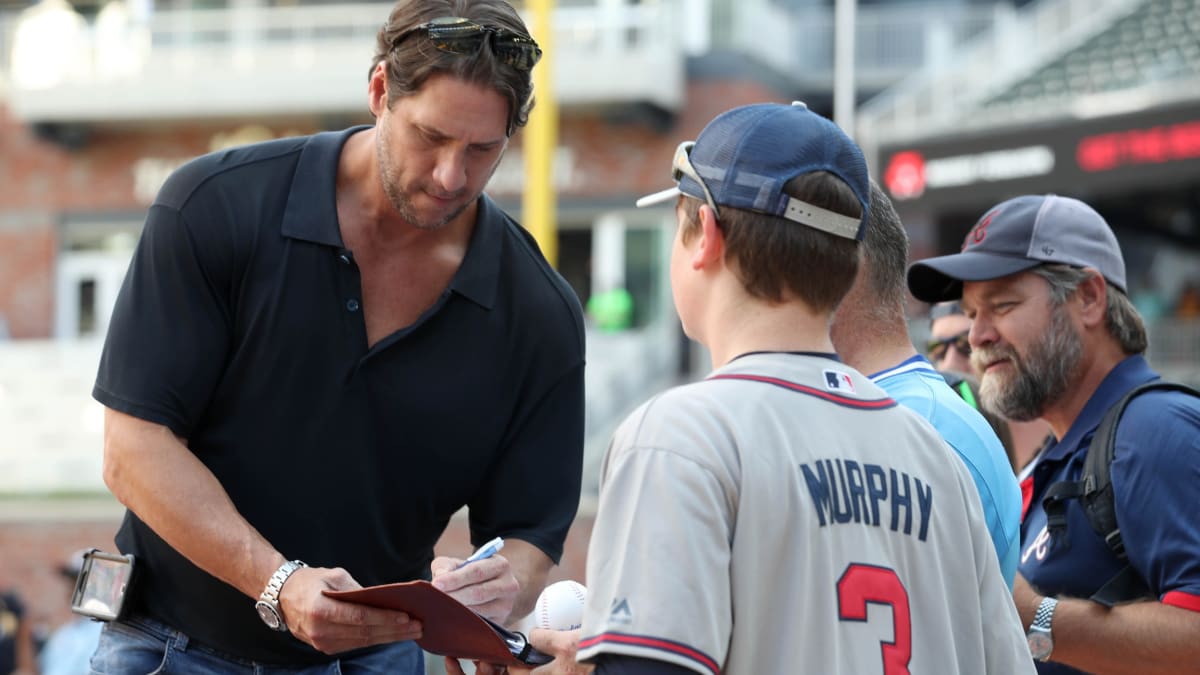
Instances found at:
x=478 y=278
x=311 y=211
x=1127 y=374
x=311 y=215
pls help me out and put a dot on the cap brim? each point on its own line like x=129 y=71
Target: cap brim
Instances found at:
x=940 y=279
x=659 y=197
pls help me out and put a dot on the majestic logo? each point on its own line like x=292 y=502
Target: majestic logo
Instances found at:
x=836 y=380
x=620 y=612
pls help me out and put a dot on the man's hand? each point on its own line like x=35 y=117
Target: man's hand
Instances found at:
x=562 y=645
x=334 y=626
x=487 y=586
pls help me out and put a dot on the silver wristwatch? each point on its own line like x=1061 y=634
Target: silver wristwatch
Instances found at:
x=268 y=602
x=1040 y=641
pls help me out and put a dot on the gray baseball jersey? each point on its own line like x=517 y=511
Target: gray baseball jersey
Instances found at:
x=796 y=520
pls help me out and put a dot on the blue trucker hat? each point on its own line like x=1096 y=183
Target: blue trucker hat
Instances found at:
x=746 y=155
x=1018 y=235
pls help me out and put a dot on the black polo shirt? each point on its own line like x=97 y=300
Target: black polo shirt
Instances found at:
x=240 y=327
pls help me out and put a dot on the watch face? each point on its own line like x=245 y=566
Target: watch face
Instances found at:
x=268 y=614
x=1040 y=644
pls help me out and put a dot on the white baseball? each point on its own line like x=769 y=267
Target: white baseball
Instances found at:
x=560 y=606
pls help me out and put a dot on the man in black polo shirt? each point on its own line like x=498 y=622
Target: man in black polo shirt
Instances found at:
x=325 y=347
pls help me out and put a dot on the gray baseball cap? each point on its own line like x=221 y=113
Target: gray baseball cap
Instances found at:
x=1018 y=235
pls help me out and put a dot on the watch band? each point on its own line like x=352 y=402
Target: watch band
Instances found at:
x=268 y=602
x=1044 y=614
x=1041 y=640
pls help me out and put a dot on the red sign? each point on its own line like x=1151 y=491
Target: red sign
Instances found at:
x=905 y=175
x=1156 y=145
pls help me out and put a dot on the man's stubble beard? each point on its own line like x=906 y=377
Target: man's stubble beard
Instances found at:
x=1038 y=378
x=401 y=202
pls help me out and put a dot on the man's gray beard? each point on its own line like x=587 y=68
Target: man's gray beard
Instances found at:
x=1039 y=377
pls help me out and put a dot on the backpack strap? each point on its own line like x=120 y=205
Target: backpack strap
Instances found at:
x=1095 y=492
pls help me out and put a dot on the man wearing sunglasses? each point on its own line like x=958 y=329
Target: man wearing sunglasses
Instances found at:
x=948 y=347
x=326 y=347
x=784 y=514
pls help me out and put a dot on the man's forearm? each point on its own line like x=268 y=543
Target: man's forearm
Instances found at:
x=1148 y=638
x=531 y=567
x=152 y=472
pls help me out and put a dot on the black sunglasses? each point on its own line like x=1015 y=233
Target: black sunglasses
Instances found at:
x=936 y=349
x=457 y=35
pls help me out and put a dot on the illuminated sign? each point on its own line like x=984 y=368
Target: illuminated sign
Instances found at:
x=909 y=174
x=1155 y=145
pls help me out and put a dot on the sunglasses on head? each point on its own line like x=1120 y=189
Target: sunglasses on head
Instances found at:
x=681 y=166
x=462 y=36
x=936 y=349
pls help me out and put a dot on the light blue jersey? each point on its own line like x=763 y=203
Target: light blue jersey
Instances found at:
x=916 y=385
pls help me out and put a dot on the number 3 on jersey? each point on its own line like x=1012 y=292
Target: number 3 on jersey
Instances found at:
x=862 y=585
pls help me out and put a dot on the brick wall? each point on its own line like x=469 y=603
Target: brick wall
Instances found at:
x=115 y=170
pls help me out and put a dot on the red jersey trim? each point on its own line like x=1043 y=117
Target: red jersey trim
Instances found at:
x=1182 y=600
x=653 y=643
x=1026 y=495
x=872 y=404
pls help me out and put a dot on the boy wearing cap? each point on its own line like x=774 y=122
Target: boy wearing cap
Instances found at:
x=747 y=521
x=1055 y=337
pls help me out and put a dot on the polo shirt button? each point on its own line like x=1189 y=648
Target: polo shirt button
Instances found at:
x=352 y=305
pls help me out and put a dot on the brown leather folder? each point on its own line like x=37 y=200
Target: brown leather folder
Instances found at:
x=449 y=627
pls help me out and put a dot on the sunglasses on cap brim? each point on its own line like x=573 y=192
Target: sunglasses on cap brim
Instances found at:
x=681 y=165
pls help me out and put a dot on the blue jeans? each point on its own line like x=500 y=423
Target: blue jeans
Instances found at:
x=141 y=646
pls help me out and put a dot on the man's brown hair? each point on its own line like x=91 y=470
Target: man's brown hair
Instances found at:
x=411 y=62
x=778 y=259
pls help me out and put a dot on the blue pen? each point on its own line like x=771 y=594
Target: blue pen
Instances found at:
x=486 y=551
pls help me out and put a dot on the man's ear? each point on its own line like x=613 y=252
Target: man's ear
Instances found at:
x=710 y=249
x=377 y=89
x=1092 y=294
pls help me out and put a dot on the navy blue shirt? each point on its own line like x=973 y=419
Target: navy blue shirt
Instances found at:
x=1155 y=477
x=240 y=327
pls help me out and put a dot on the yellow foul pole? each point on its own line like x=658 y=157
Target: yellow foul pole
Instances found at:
x=541 y=137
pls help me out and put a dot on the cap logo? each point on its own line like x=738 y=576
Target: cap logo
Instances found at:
x=1048 y=250
x=979 y=232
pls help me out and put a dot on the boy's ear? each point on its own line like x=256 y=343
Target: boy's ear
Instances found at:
x=710 y=249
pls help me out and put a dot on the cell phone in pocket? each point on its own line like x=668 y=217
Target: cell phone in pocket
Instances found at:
x=102 y=585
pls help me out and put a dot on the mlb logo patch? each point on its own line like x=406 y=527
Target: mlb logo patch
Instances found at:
x=836 y=380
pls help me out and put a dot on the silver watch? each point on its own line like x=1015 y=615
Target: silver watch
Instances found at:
x=268 y=602
x=1040 y=641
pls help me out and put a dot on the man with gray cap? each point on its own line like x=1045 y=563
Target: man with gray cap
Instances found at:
x=1054 y=336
